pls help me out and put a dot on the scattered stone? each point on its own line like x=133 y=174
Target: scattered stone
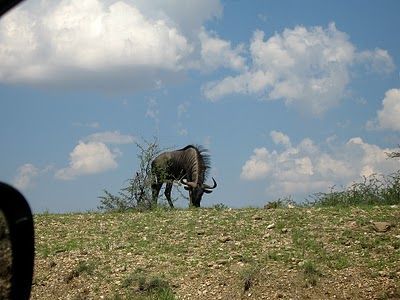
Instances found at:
x=224 y=239
x=352 y=224
x=121 y=269
x=290 y=206
x=201 y=232
x=383 y=273
x=346 y=243
x=381 y=226
x=270 y=226
x=284 y=230
x=266 y=236
x=257 y=218
x=222 y=261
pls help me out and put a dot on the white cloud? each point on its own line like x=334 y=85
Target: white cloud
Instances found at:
x=246 y=83
x=307 y=168
x=216 y=52
x=389 y=116
x=183 y=108
x=262 y=17
x=280 y=138
x=91 y=41
x=25 y=176
x=110 y=137
x=188 y=15
x=257 y=166
x=182 y=131
x=308 y=68
x=92 y=155
x=378 y=61
x=88 y=158
x=152 y=111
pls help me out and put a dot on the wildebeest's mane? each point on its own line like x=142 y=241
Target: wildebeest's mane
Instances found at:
x=203 y=157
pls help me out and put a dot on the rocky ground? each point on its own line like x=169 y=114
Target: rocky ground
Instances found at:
x=289 y=253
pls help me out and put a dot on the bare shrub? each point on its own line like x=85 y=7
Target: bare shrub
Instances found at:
x=137 y=192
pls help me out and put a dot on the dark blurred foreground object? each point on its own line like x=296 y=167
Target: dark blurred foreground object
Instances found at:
x=18 y=229
x=18 y=217
x=6 y=5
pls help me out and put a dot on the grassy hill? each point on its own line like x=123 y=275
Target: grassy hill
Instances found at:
x=285 y=253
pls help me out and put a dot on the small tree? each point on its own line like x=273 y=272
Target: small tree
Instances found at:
x=137 y=193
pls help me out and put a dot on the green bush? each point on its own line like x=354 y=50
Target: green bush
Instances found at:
x=373 y=190
x=280 y=203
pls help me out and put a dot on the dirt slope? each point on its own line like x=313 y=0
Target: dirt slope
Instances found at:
x=299 y=253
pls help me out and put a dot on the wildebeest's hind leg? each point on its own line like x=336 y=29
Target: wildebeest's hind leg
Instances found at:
x=167 y=194
x=155 y=190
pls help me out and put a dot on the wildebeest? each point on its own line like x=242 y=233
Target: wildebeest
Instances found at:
x=189 y=166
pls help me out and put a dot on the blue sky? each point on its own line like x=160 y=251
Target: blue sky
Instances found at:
x=290 y=97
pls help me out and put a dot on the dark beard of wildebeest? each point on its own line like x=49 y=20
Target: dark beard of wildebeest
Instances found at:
x=189 y=166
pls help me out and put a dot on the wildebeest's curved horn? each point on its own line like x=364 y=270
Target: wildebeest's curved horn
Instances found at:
x=206 y=186
x=188 y=183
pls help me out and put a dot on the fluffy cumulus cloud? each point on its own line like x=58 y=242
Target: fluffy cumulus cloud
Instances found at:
x=258 y=165
x=377 y=61
x=389 y=116
x=139 y=44
x=88 y=158
x=307 y=168
x=28 y=174
x=280 y=138
x=92 y=155
x=216 y=52
x=25 y=176
x=305 y=67
x=93 y=42
x=189 y=16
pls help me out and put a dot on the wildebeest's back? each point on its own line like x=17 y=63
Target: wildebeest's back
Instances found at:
x=174 y=165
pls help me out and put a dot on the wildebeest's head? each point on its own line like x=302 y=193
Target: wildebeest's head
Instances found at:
x=196 y=191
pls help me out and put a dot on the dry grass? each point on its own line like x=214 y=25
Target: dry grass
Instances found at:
x=309 y=253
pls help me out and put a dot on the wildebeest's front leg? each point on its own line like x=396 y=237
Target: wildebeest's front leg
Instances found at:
x=167 y=194
x=155 y=189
